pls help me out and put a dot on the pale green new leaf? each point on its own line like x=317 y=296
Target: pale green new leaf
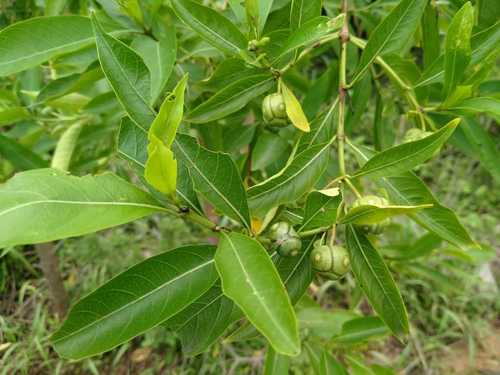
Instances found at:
x=406 y=156
x=215 y=176
x=231 y=98
x=392 y=33
x=135 y=301
x=46 y=204
x=211 y=26
x=128 y=75
x=295 y=180
x=377 y=283
x=370 y=214
x=457 y=50
x=11 y=115
x=294 y=110
x=250 y=279
x=160 y=170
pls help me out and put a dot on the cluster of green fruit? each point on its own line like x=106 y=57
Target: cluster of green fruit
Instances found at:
x=330 y=261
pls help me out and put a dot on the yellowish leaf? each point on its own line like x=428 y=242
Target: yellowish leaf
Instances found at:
x=161 y=167
x=294 y=109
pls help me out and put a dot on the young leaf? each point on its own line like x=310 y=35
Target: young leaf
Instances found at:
x=22 y=158
x=128 y=75
x=407 y=189
x=215 y=176
x=211 y=26
x=250 y=279
x=276 y=364
x=161 y=167
x=406 y=156
x=135 y=301
x=457 y=51
x=370 y=214
x=295 y=180
x=480 y=104
x=320 y=211
x=46 y=204
x=392 y=34
x=374 y=278
x=231 y=98
x=159 y=56
x=294 y=109
x=29 y=43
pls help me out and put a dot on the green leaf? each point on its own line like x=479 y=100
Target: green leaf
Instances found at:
x=295 y=180
x=311 y=32
x=302 y=11
x=430 y=34
x=472 y=106
x=135 y=301
x=257 y=12
x=320 y=210
x=211 y=26
x=323 y=323
x=330 y=366
x=370 y=214
x=483 y=43
x=11 y=115
x=22 y=158
x=231 y=98
x=200 y=324
x=128 y=75
x=250 y=279
x=392 y=34
x=408 y=190
x=406 y=156
x=203 y=322
x=46 y=204
x=29 y=43
x=276 y=364
x=159 y=56
x=361 y=329
x=457 y=50
x=215 y=176
x=374 y=278
x=322 y=131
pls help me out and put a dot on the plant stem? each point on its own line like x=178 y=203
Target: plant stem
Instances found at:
x=344 y=38
x=353 y=188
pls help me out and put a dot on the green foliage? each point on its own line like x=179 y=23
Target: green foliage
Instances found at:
x=177 y=90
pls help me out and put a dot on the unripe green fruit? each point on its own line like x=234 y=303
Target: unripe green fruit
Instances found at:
x=285 y=239
x=274 y=110
x=376 y=228
x=330 y=261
